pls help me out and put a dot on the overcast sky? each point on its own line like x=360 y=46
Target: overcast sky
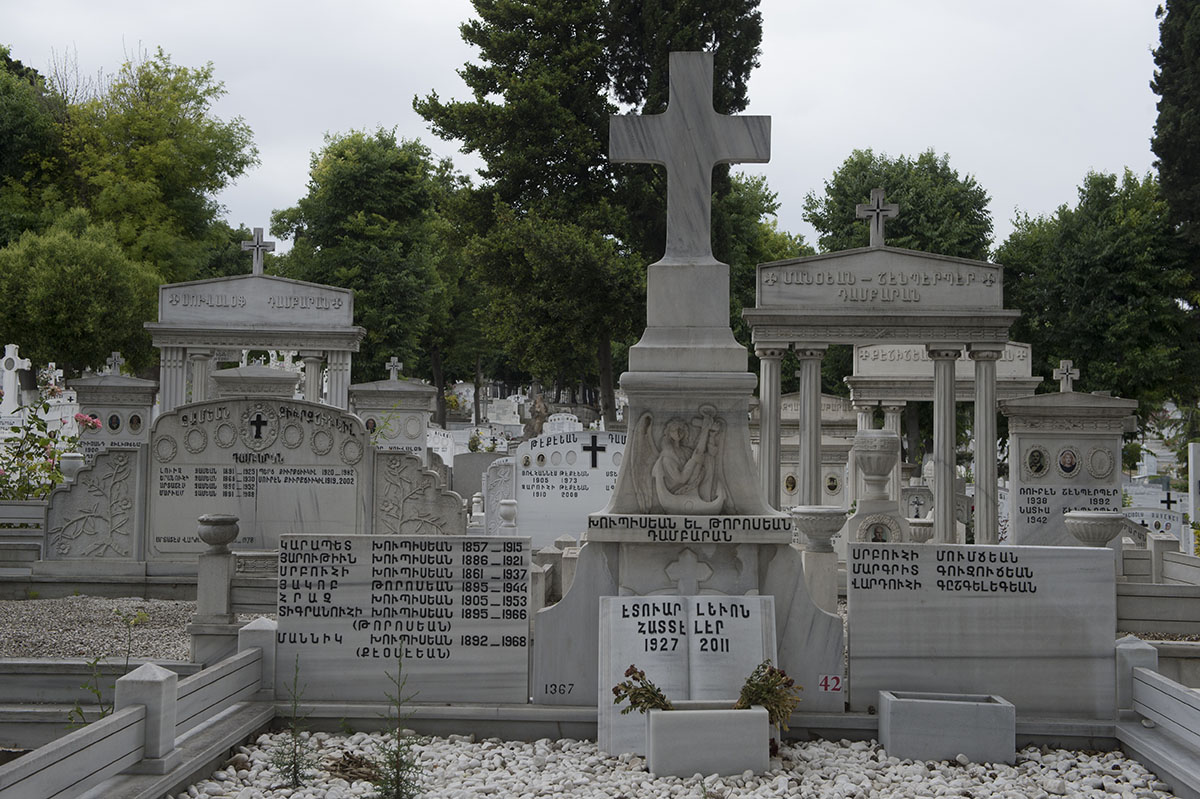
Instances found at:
x=1026 y=95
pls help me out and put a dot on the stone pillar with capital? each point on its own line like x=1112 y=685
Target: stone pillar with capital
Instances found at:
x=200 y=363
x=769 y=358
x=808 y=471
x=312 y=375
x=891 y=423
x=943 y=356
x=172 y=378
x=339 y=379
x=987 y=512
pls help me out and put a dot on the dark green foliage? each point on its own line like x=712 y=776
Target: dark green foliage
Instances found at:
x=1103 y=284
x=940 y=212
x=369 y=223
x=1176 y=140
x=72 y=295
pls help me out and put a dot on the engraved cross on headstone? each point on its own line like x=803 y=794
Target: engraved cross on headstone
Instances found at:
x=877 y=212
x=394 y=366
x=689 y=139
x=259 y=247
x=688 y=572
x=114 y=363
x=1064 y=374
x=1170 y=503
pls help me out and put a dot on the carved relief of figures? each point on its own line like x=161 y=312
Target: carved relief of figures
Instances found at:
x=682 y=472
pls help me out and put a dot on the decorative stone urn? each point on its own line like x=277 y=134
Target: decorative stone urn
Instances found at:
x=819 y=523
x=1094 y=528
x=920 y=530
x=875 y=452
x=70 y=463
x=218 y=530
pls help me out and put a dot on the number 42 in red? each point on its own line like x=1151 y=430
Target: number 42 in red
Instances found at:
x=830 y=683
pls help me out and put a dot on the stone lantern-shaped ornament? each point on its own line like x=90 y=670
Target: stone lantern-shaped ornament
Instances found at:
x=877 y=517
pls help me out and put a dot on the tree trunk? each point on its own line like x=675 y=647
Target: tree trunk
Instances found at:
x=478 y=390
x=439 y=381
x=608 y=403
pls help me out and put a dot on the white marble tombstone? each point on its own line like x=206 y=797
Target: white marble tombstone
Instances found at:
x=1064 y=454
x=10 y=364
x=563 y=477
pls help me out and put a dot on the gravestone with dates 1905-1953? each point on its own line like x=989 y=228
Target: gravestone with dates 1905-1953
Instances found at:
x=1065 y=451
x=687 y=516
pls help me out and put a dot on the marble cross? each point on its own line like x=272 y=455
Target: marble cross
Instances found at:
x=689 y=139
x=259 y=247
x=114 y=363
x=11 y=362
x=877 y=212
x=1064 y=374
x=53 y=373
x=394 y=366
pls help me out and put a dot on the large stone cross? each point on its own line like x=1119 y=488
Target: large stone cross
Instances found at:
x=259 y=247
x=1064 y=374
x=877 y=212
x=689 y=139
x=114 y=363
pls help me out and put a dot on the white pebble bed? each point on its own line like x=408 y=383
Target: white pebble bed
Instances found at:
x=458 y=768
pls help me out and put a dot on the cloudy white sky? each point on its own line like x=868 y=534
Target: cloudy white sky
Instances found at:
x=1026 y=95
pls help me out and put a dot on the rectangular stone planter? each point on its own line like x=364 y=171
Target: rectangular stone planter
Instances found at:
x=930 y=726
x=705 y=737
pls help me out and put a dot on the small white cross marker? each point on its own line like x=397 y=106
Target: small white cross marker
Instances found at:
x=258 y=246
x=1064 y=374
x=877 y=212
x=394 y=367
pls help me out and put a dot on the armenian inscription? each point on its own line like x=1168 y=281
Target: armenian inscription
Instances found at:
x=944 y=618
x=281 y=466
x=453 y=610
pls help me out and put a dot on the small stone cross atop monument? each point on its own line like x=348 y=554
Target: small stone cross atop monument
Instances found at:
x=1064 y=374
x=114 y=363
x=11 y=384
x=259 y=247
x=877 y=212
x=689 y=139
x=394 y=367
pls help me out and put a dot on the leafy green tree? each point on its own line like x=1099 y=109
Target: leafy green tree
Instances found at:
x=368 y=224
x=1176 y=140
x=148 y=156
x=72 y=296
x=539 y=118
x=1104 y=284
x=940 y=212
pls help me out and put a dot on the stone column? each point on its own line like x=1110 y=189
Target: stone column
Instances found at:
x=312 y=375
x=199 y=361
x=987 y=513
x=339 y=380
x=891 y=423
x=173 y=381
x=769 y=358
x=866 y=421
x=808 y=471
x=943 y=356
